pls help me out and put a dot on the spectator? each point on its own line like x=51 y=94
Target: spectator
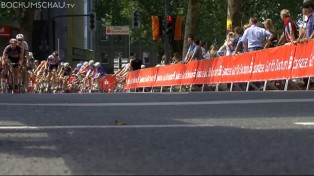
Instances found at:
x=227 y=47
x=163 y=60
x=175 y=58
x=204 y=48
x=269 y=26
x=136 y=63
x=190 y=50
x=197 y=54
x=212 y=53
x=254 y=37
x=290 y=32
x=237 y=43
x=307 y=10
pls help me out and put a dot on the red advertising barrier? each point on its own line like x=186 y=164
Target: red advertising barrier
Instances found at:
x=108 y=82
x=147 y=77
x=274 y=63
x=238 y=68
x=215 y=70
x=303 y=62
x=169 y=75
x=132 y=79
x=285 y=62
x=189 y=74
x=31 y=84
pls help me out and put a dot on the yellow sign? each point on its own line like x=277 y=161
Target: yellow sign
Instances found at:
x=229 y=25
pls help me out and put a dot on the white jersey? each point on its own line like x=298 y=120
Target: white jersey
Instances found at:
x=24 y=47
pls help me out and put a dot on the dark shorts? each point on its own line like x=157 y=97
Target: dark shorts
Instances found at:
x=14 y=61
x=66 y=74
x=52 y=67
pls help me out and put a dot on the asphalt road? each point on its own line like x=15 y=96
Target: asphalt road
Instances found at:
x=179 y=133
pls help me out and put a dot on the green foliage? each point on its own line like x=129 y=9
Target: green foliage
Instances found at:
x=212 y=16
x=271 y=9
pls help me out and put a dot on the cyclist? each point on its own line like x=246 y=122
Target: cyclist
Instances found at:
x=25 y=55
x=53 y=63
x=13 y=53
x=66 y=73
x=99 y=73
x=87 y=81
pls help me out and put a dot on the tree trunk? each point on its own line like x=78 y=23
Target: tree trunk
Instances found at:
x=25 y=18
x=235 y=12
x=192 y=21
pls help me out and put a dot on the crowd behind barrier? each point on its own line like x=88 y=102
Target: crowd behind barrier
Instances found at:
x=279 y=63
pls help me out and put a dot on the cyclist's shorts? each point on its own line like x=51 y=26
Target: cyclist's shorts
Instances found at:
x=14 y=61
x=52 y=67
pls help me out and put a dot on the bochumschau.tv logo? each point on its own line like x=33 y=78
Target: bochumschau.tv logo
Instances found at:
x=37 y=5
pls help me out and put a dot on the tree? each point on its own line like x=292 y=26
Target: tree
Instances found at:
x=235 y=12
x=24 y=16
x=192 y=21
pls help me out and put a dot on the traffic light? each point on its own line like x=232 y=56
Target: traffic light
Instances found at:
x=169 y=25
x=135 y=19
x=92 y=17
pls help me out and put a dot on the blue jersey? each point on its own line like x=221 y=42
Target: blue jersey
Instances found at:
x=101 y=71
x=53 y=60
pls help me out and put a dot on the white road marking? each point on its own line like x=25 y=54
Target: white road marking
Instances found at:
x=304 y=123
x=219 y=102
x=98 y=127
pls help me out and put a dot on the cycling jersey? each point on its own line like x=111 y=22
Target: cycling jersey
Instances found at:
x=99 y=71
x=13 y=53
x=53 y=60
x=24 y=47
x=66 y=71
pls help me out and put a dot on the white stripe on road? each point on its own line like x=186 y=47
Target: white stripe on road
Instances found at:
x=305 y=123
x=221 y=102
x=98 y=127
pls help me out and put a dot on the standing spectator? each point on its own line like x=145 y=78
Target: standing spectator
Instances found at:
x=190 y=50
x=163 y=60
x=237 y=43
x=204 y=48
x=238 y=32
x=269 y=26
x=308 y=10
x=254 y=37
x=227 y=47
x=136 y=63
x=212 y=53
x=197 y=55
x=290 y=32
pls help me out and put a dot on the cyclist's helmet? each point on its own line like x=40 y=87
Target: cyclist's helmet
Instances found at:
x=66 y=64
x=13 y=40
x=85 y=63
x=55 y=54
x=20 y=36
x=97 y=64
x=91 y=62
x=79 y=65
x=30 y=54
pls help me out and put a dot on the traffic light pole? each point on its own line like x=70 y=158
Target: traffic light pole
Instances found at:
x=166 y=36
